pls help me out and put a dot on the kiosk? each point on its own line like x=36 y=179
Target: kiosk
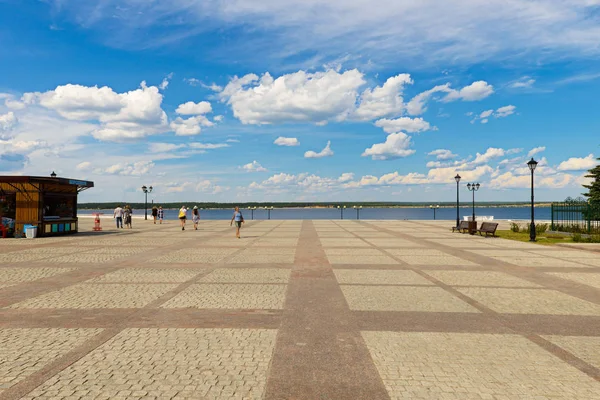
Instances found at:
x=48 y=203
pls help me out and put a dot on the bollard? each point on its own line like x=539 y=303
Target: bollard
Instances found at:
x=97 y=226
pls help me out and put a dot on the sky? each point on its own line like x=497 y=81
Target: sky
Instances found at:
x=301 y=100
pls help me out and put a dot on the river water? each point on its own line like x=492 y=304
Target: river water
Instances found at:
x=516 y=213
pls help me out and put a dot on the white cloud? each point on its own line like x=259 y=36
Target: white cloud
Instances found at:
x=190 y=126
x=191 y=108
x=396 y=145
x=254 y=166
x=285 y=141
x=84 y=166
x=418 y=104
x=136 y=169
x=346 y=177
x=326 y=152
x=509 y=180
x=208 y=146
x=406 y=124
x=218 y=118
x=7 y=123
x=536 y=150
x=121 y=116
x=383 y=100
x=490 y=154
x=165 y=82
x=578 y=164
x=476 y=91
x=486 y=114
x=232 y=141
x=472 y=31
x=207 y=186
x=299 y=96
x=505 y=111
x=442 y=154
x=524 y=82
x=164 y=147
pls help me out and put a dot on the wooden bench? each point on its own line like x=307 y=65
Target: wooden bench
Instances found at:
x=489 y=228
x=463 y=226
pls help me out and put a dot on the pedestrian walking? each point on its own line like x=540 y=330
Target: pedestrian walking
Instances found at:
x=154 y=214
x=183 y=217
x=238 y=218
x=127 y=212
x=161 y=214
x=195 y=217
x=118 y=216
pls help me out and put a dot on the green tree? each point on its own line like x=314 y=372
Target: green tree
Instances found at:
x=593 y=194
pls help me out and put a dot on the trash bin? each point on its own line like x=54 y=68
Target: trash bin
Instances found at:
x=30 y=231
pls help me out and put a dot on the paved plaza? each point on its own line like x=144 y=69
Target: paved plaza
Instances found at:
x=297 y=310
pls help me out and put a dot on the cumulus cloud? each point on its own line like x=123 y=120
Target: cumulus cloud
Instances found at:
x=326 y=152
x=536 y=150
x=501 y=112
x=7 y=123
x=442 y=154
x=191 y=108
x=509 y=180
x=406 y=124
x=578 y=164
x=383 y=100
x=490 y=154
x=190 y=126
x=285 y=141
x=295 y=97
x=396 y=145
x=505 y=111
x=476 y=91
x=254 y=166
x=418 y=104
x=121 y=116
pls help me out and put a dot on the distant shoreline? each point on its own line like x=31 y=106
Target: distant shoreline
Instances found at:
x=483 y=205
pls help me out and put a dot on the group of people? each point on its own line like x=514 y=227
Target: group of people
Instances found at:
x=124 y=214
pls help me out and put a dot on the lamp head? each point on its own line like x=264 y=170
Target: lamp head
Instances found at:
x=477 y=186
x=150 y=189
x=532 y=164
x=469 y=186
x=457 y=178
x=144 y=189
x=53 y=174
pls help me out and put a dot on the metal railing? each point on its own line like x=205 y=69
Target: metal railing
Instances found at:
x=575 y=216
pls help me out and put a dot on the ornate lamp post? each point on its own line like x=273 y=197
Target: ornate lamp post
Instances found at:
x=342 y=211
x=532 y=234
x=357 y=208
x=434 y=208
x=473 y=187
x=457 y=179
x=53 y=174
x=146 y=190
x=269 y=211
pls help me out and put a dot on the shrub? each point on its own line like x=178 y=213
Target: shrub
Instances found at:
x=514 y=227
x=541 y=228
x=577 y=238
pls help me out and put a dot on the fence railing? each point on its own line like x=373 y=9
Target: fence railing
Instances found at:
x=578 y=217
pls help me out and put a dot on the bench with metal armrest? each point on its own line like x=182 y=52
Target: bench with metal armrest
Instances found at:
x=489 y=228
x=463 y=226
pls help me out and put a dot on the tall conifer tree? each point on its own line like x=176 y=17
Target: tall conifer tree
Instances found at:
x=593 y=188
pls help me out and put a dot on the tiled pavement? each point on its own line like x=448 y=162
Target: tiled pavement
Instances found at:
x=297 y=310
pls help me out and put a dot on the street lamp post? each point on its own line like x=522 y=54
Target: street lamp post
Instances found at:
x=269 y=211
x=532 y=234
x=457 y=179
x=473 y=187
x=252 y=211
x=341 y=211
x=146 y=190
x=357 y=211
x=434 y=209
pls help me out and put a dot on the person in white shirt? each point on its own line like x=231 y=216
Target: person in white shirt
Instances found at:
x=118 y=215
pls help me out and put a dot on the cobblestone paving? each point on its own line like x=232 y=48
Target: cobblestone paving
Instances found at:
x=473 y=366
x=168 y=363
x=230 y=296
x=296 y=310
x=25 y=351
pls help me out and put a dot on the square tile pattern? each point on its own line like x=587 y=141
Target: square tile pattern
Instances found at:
x=164 y=363
x=231 y=296
x=424 y=365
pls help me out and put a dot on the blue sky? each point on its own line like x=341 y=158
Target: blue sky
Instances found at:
x=301 y=100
